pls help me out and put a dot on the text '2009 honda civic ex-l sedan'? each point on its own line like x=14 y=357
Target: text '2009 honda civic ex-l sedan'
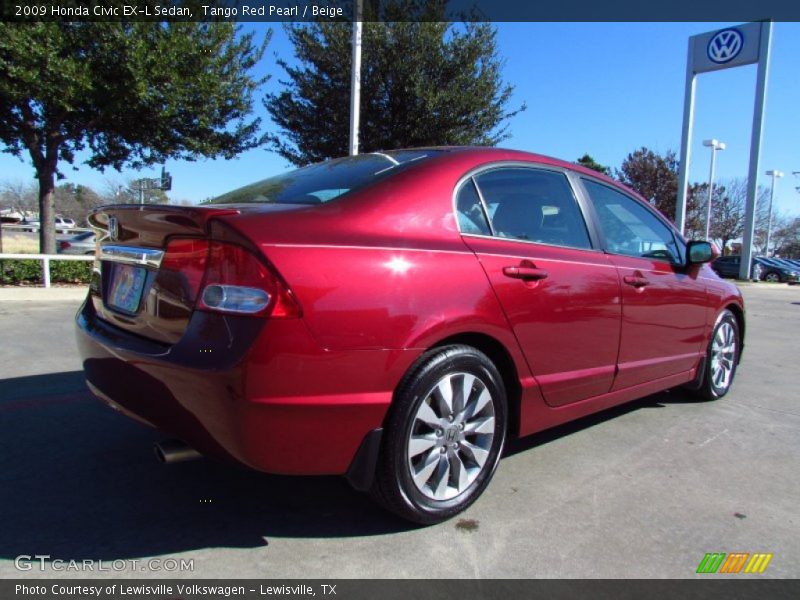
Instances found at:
x=396 y=316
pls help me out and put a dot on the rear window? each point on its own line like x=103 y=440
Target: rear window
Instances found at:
x=326 y=181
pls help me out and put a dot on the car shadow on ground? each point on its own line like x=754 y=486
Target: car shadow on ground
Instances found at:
x=80 y=481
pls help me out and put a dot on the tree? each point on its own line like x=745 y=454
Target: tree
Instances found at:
x=18 y=197
x=76 y=202
x=132 y=93
x=423 y=83
x=787 y=238
x=587 y=161
x=654 y=176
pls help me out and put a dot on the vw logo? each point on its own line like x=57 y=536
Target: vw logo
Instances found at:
x=113 y=228
x=725 y=45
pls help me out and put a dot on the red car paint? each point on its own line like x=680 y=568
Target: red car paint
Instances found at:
x=378 y=277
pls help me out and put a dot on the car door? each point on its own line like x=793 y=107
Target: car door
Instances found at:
x=560 y=294
x=664 y=304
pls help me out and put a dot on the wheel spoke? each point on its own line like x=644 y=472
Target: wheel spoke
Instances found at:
x=480 y=426
x=462 y=396
x=427 y=415
x=444 y=392
x=441 y=477
x=478 y=453
x=420 y=443
x=478 y=404
x=429 y=465
x=460 y=472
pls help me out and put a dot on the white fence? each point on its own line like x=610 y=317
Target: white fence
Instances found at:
x=46 y=258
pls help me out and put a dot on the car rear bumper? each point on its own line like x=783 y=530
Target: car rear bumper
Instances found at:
x=259 y=392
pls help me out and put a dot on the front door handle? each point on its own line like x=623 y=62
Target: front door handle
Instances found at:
x=525 y=273
x=636 y=282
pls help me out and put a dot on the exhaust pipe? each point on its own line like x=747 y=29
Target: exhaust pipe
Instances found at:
x=174 y=451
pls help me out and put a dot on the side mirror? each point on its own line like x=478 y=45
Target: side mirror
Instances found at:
x=698 y=252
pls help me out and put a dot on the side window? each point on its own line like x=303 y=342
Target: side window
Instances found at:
x=533 y=205
x=469 y=212
x=629 y=227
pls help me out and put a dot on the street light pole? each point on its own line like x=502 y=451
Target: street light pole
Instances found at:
x=775 y=175
x=355 y=80
x=714 y=145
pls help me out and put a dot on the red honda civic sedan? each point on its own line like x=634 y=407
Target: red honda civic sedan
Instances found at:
x=395 y=317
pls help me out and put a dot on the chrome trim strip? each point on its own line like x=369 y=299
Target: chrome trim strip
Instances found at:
x=147 y=257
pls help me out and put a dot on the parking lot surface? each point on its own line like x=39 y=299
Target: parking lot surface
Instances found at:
x=641 y=491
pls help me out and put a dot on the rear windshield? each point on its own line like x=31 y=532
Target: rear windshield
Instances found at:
x=322 y=182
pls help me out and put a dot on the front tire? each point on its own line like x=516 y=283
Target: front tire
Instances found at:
x=722 y=357
x=443 y=437
x=772 y=277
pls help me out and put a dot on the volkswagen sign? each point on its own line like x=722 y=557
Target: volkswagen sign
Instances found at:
x=724 y=46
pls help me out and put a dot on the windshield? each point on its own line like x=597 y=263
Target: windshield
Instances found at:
x=322 y=182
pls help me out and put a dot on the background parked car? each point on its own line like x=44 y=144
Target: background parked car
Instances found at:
x=83 y=243
x=771 y=269
x=30 y=224
x=777 y=270
x=65 y=223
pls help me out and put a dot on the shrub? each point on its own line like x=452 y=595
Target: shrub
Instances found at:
x=14 y=272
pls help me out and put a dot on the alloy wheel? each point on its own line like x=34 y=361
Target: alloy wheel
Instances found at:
x=723 y=356
x=451 y=436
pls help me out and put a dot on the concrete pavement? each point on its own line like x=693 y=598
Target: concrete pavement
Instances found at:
x=641 y=491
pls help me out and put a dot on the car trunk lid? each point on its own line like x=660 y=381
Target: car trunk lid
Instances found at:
x=151 y=263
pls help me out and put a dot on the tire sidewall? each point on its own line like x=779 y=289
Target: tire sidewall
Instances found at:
x=464 y=361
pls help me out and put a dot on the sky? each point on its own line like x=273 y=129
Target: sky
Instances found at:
x=600 y=88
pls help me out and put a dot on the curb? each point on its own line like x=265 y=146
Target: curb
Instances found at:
x=43 y=294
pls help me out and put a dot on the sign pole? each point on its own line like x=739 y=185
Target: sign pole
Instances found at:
x=755 y=148
x=355 y=81
x=686 y=140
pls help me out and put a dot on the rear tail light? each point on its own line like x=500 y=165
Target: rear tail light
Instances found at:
x=235 y=298
x=63 y=245
x=186 y=259
x=236 y=281
x=226 y=277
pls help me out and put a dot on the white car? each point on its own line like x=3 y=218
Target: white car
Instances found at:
x=65 y=223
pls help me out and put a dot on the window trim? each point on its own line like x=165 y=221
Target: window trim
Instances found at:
x=679 y=241
x=595 y=244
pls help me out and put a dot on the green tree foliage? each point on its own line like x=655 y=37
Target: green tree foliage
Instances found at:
x=125 y=93
x=590 y=163
x=786 y=236
x=654 y=176
x=423 y=83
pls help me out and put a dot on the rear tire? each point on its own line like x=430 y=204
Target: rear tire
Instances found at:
x=443 y=437
x=772 y=277
x=722 y=357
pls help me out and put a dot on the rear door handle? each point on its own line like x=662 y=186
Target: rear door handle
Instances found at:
x=525 y=273
x=636 y=282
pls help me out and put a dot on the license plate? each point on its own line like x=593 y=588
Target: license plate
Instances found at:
x=126 y=288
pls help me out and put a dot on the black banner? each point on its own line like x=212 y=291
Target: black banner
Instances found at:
x=398 y=10
x=407 y=589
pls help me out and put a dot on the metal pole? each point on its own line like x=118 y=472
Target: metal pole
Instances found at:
x=686 y=140
x=710 y=191
x=775 y=174
x=355 y=82
x=755 y=148
x=769 y=217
